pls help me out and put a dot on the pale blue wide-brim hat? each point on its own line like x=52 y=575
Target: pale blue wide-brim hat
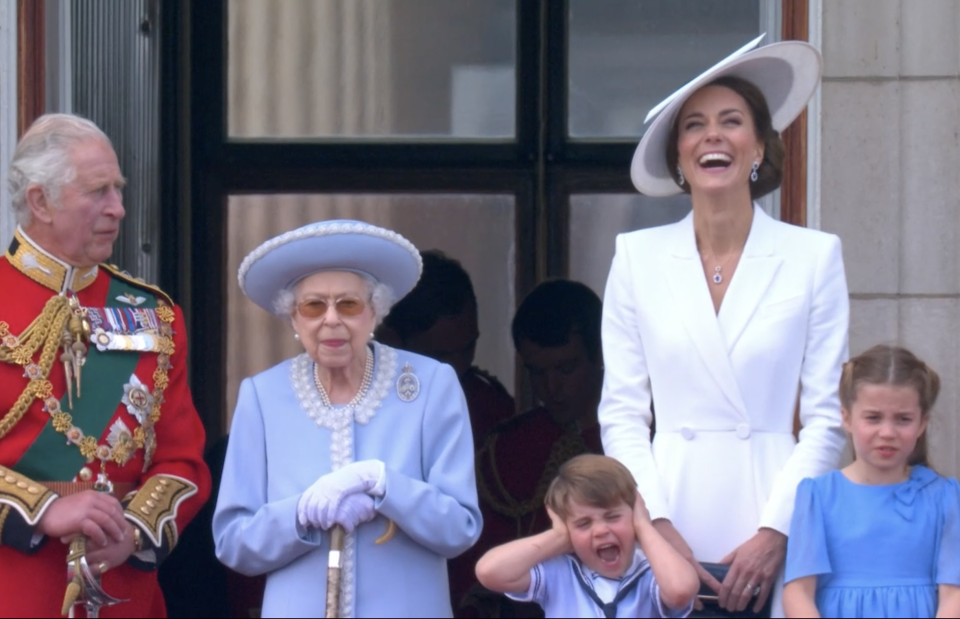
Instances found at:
x=335 y=245
x=787 y=73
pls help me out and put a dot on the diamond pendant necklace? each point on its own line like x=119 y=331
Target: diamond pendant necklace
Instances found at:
x=717 y=275
x=717 y=278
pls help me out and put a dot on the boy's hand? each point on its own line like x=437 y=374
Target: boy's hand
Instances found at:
x=561 y=531
x=641 y=515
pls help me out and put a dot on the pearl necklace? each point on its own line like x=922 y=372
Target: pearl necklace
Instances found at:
x=364 y=384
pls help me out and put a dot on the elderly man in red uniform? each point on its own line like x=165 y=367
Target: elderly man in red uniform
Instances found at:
x=100 y=445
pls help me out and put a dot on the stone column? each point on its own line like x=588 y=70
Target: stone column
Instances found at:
x=890 y=156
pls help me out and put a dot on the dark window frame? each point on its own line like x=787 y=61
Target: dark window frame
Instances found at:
x=542 y=169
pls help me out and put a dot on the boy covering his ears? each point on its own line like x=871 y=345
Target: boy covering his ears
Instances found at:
x=601 y=558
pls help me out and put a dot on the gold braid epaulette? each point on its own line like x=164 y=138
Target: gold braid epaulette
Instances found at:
x=115 y=271
x=569 y=444
x=43 y=333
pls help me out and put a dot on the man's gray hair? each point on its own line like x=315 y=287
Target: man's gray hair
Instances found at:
x=381 y=296
x=42 y=157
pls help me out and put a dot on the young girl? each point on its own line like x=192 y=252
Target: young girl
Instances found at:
x=880 y=538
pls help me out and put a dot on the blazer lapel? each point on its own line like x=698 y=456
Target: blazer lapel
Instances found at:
x=695 y=308
x=755 y=272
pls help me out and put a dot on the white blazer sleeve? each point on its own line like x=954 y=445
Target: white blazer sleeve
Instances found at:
x=822 y=438
x=624 y=412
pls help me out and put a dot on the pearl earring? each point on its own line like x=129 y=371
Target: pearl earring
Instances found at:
x=296 y=336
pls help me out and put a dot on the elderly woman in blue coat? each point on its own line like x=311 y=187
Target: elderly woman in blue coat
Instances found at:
x=350 y=433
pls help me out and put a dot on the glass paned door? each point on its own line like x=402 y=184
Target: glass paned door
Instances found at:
x=363 y=69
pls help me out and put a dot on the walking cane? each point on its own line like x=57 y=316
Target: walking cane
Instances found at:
x=337 y=534
x=333 y=571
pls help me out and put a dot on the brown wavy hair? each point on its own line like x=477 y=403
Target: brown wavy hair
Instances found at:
x=895 y=366
x=770 y=172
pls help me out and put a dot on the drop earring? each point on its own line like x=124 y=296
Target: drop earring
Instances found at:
x=680 y=179
x=753 y=175
x=296 y=336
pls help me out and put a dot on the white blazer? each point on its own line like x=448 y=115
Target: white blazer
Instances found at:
x=724 y=460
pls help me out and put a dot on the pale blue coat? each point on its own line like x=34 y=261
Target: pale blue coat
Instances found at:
x=276 y=451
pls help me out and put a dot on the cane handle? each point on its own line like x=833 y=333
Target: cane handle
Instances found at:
x=388 y=534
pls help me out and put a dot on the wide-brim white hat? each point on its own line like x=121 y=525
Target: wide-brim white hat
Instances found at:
x=335 y=245
x=787 y=73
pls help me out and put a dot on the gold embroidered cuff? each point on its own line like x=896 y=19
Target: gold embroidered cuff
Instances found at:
x=154 y=507
x=23 y=494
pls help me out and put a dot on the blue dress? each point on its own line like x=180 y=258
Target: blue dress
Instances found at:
x=878 y=551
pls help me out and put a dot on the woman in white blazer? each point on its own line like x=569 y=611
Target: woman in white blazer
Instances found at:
x=726 y=322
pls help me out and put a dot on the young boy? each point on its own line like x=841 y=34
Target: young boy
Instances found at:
x=589 y=563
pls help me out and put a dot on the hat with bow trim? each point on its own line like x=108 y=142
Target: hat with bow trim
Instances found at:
x=787 y=73
x=335 y=245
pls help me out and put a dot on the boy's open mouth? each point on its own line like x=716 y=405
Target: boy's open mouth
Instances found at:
x=608 y=553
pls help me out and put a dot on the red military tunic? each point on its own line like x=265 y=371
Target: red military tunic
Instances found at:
x=166 y=491
x=488 y=402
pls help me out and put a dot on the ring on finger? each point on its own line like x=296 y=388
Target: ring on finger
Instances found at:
x=103 y=566
x=751 y=589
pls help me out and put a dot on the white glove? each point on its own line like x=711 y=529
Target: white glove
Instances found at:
x=354 y=510
x=319 y=503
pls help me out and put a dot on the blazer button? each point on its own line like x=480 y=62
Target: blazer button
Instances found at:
x=743 y=431
x=687 y=433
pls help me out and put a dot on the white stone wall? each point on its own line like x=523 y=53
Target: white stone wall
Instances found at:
x=890 y=166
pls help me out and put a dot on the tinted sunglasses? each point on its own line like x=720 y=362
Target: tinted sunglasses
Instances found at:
x=346 y=306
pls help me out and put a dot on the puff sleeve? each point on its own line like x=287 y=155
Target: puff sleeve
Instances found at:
x=807 y=553
x=948 y=560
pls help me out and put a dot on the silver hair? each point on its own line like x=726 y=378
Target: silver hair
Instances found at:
x=42 y=157
x=381 y=297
